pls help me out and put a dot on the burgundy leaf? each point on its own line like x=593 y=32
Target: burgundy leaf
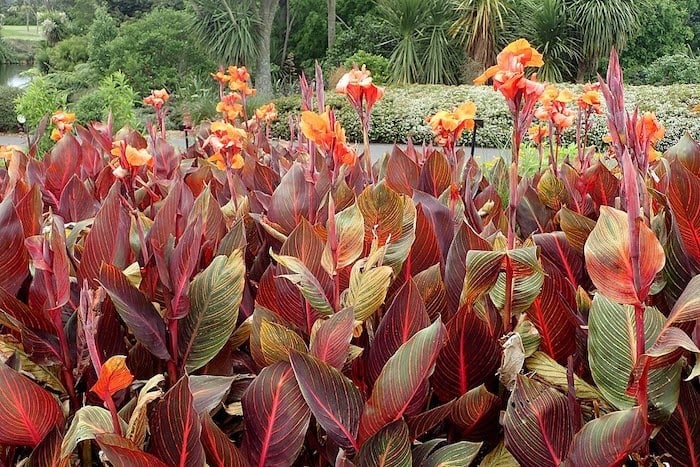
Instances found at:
x=432 y=291
x=405 y=317
x=425 y=250
x=401 y=172
x=77 y=203
x=333 y=399
x=470 y=358
x=684 y=198
x=439 y=217
x=435 y=175
x=475 y=413
x=48 y=452
x=421 y=423
x=219 y=449
x=183 y=263
x=61 y=164
x=680 y=436
x=14 y=260
x=290 y=201
x=455 y=266
x=175 y=428
x=555 y=247
x=27 y=412
x=276 y=417
x=136 y=311
x=122 y=452
x=108 y=240
x=331 y=341
x=389 y=447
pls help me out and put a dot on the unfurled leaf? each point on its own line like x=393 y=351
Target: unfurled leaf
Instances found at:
x=455 y=265
x=349 y=230
x=401 y=378
x=687 y=152
x=276 y=341
x=537 y=424
x=88 y=422
x=405 y=316
x=330 y=340
x=401 y=172
x=680 y=436
x=276 y=417
x=426 y=249
x=609 y=259
x=136 y=311
x=308 y=284
x=555 y=247
x=684 y=196
x=432 y=291
x=552 y=191
x=389 y=447
x=290 y=200
x=470 y=357
x=435 y=174
x=532 y=215
x=609 y=440
x=181 y=265
x=612 y=356
x=175 y=428
x=27 y=412
x=121 y=452
x=368 y=287
x=333 y=399
x=453 y=455
x=219 y=449
x=108 y=240
x=425 y=421
x=475 y=413
x=114 y=376
x=528 y=277
x=215 y=295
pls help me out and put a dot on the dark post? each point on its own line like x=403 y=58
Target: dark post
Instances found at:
x=478 y=123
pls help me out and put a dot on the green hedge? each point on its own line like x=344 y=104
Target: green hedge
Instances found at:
x=403 y=110
x=8 y=120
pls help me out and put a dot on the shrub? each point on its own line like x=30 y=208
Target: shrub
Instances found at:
x=669 y=69
x=102 y=31
x=68 y=53
x=41 y=97
x=113 y=95
x=378 y=65
x=403 y=111
x=8 y=120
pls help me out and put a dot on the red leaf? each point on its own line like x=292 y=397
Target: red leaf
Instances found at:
x=401 y=379
x=27 y=412
x=440 y=220
x=432 y=291
x=331 y=341
x=48 y=452
x=121 y=452
x=405 y=317
x=175 y=428
x=421 y=423
x=172 y=217
x=333 y=399
x=435 y=175
x=684 y=198
x=537 y=424
x=470 y=358
x=183 y=263
x=29 y=209
x=425 y=250
x=136 y=311
x=553 y=316
x=555 y=247
x=290 y=201
x=680 y=435
x=14 y=260
x=108 y=241
x=220 y=451
x=276 y=417
x=61 y=164
x=401 y=172
x=532 y=215
x=609 y=440
x=77 y=203
x=601 y=184
x=455 y=266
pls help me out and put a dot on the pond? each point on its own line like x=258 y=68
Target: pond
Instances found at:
x=10 y=75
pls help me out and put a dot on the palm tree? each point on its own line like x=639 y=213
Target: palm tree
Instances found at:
x=478 y=25
x=602 y=24
x=331 y=23
x=238 y=32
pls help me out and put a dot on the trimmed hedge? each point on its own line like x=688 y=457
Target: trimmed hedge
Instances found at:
x=403 y=110
x=8 y=120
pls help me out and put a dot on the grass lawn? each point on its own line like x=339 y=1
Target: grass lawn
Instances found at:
x=21 y=33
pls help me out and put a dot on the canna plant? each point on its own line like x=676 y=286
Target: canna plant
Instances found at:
x=262 y=303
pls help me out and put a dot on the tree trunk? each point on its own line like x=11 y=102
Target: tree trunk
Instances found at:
x=288 y=20
x=331 y=23
x=263 y=72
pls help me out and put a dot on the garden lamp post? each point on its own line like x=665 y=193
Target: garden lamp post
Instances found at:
x=22 y=120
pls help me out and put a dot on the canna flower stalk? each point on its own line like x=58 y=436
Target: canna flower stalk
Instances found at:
x=327 y=134
x=362 y=94
x=157 y=100
x=521 y=93
x=537 y=134
x=64 y=124
x=558 y=117
x=588 y=104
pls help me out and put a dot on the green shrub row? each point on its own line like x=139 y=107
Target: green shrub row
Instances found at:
x=8 y=121
x=403 y=110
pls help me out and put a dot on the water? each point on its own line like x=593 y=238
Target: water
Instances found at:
x=10 y=75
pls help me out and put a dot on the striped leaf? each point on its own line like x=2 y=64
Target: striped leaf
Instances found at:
x=576 y=227
x=330 y=338
x=537 y=424
x=27 y=412
x=389 y=447
x=475 y=413
x=369 y=284
x=276 y=417
x=276 y=341
x=432 y=291
x=401 y=378
x=453 y=455
x=333 y=399
x=14 y=260
x=609 y=440
x=612 y=356
x=349 y=230
x=684 y=199
x=120 y=452
x=500 y=457
x=308 y=284
x=552 y=373
x=218 y=448
x=609 y=259
x=88 y=423
x=48 y=452
x=680 y=436
x=481 y=274
x=423 y=422
x=215 y=295
x=528 y=277
x=290 y=200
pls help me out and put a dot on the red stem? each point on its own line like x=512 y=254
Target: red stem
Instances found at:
x=172 y=363
x=115 y=415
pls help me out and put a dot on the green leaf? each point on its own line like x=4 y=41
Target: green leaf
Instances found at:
x=549 y=371
x=482 y=272
x=368 y=287
x=308 y=284
x=528 y=278
x=88 y=422
x=276 y=341
x=349 y=230
x=453 y=455
x=612 y=356
x=215 y=295
x=389 y=447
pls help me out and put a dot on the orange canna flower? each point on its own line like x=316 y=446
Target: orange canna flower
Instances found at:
x=266 y=113
x=6 y=152
x=509 y=72
x=56 y=135
x=317 y=128
x=138 y=157
x=221 y=77
x=64 y=124
x=537 y=133
x=157 y=98
x=238 y=80
x=554 y=108
x=227 y=142
x=357 y=85
x=649 y=129
x=230 y=106
x=114 y=377
x=448 y=126
x=590 y=99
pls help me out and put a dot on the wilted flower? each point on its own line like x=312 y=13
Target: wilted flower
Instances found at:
x=114 y=377
x=357 y=85
x=448 y=126
x=157 y=98
x=227 y=142
x=7 y=151
x=64 y=124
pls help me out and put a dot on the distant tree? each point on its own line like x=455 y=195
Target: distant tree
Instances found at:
x=331 y=22
x=478 y=25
